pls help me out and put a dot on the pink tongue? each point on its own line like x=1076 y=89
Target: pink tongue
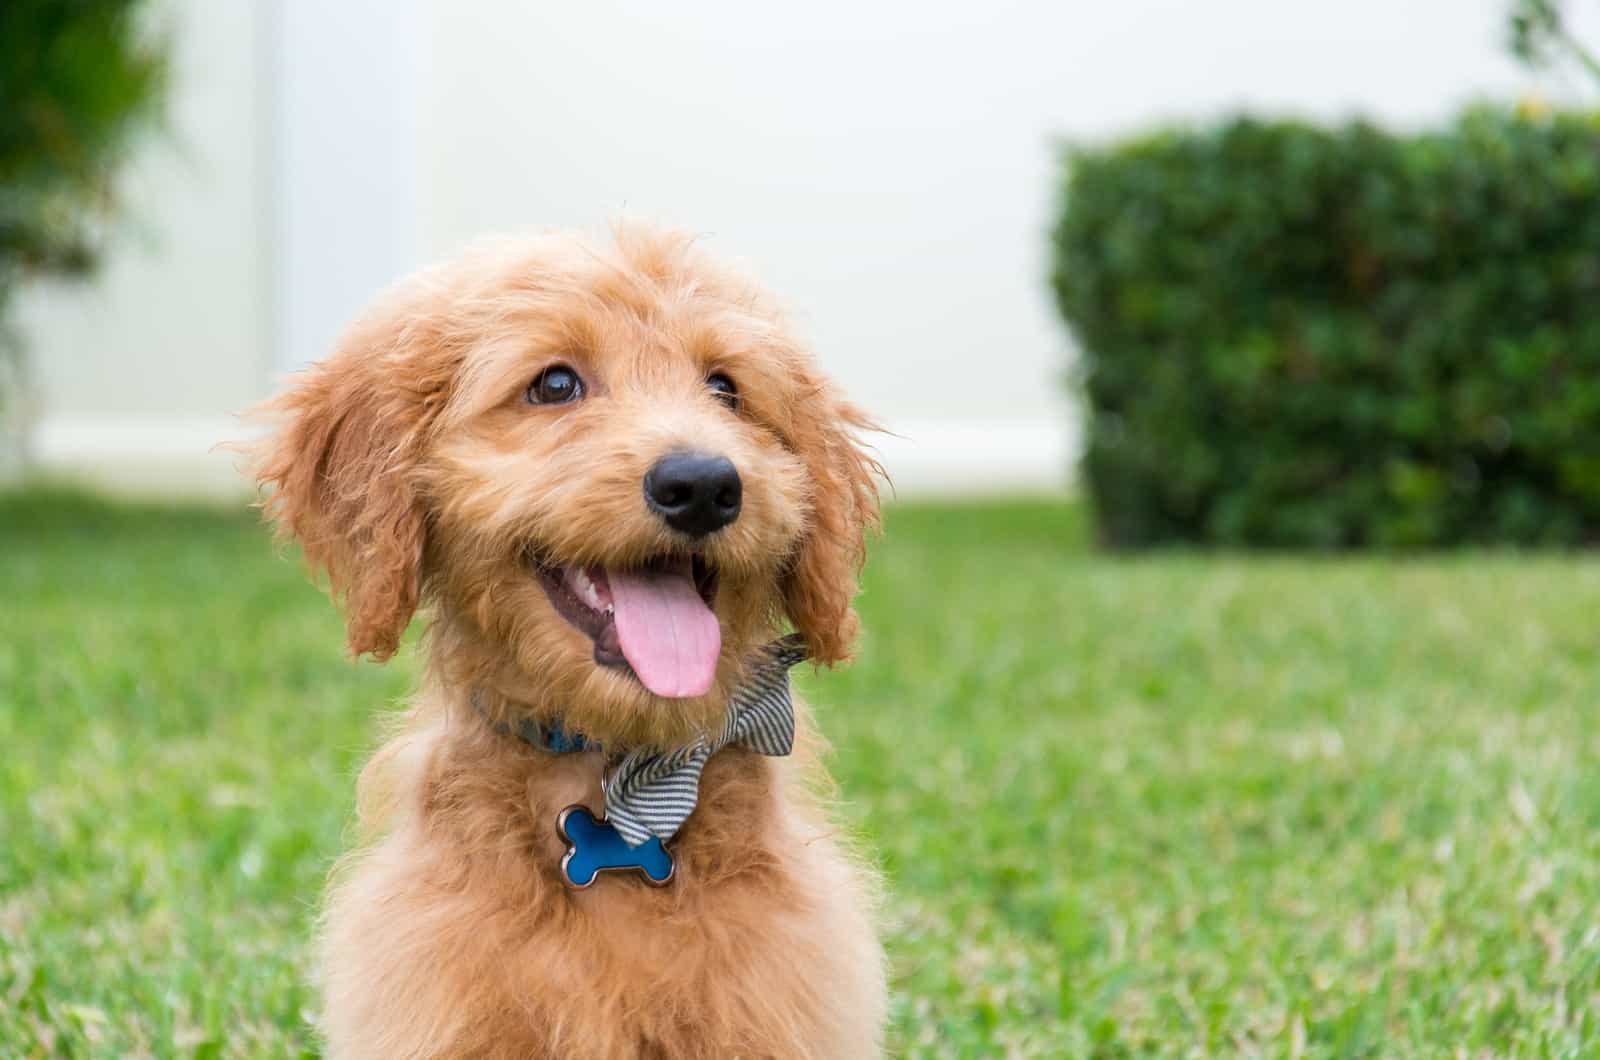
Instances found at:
x=667 y=633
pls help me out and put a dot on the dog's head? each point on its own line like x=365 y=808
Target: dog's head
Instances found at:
x=612 y=469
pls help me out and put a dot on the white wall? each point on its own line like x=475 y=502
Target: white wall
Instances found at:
x=347 y=211
x=889 y=168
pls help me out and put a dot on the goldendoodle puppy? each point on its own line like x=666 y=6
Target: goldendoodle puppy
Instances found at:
x=612 y=475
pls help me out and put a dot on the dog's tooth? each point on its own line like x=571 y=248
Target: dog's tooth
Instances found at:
x=583 y=587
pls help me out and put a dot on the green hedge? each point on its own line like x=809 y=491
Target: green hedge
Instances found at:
x=1299 y=336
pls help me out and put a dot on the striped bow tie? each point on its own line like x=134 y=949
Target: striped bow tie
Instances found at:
x=651 y=793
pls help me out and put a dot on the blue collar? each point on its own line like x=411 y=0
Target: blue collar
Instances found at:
x=549 y=737
x=553 y=737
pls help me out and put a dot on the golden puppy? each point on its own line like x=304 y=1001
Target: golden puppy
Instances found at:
x=611 y=473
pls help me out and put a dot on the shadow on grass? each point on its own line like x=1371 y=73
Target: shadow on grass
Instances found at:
x=63 y=508
x=1052 y=523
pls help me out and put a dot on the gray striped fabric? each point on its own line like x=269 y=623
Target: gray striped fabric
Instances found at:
x=652 y=793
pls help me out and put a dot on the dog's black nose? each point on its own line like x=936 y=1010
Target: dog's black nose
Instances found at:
x=693 y=492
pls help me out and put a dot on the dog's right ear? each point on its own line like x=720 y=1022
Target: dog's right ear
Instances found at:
x=337 y=472
x=821 y=581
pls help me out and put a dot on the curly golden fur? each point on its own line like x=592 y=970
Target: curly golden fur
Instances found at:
x=415 y=473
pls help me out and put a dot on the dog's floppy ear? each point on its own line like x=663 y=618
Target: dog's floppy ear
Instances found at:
x=821 y=579
x=338 y=470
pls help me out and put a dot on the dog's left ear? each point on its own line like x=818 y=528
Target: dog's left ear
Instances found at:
x=821 y=580
x=338 y=471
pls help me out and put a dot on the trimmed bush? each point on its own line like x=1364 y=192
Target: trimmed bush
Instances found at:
x=1298 y=336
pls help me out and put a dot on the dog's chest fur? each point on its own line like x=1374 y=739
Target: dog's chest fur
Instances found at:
x=454 y=935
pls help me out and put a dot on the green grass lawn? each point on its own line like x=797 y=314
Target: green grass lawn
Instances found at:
x=1175 y=805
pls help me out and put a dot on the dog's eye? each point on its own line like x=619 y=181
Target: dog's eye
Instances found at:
x=723 y=387
x=556 y=385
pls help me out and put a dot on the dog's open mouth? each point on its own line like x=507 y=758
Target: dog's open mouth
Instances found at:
x=655 y=621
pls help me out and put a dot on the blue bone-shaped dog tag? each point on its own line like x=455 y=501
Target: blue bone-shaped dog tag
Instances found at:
x=593 y=847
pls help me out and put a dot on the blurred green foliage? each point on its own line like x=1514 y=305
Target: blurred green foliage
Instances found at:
x=1541 y=36
x=78 y=80
x=1301 y=336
